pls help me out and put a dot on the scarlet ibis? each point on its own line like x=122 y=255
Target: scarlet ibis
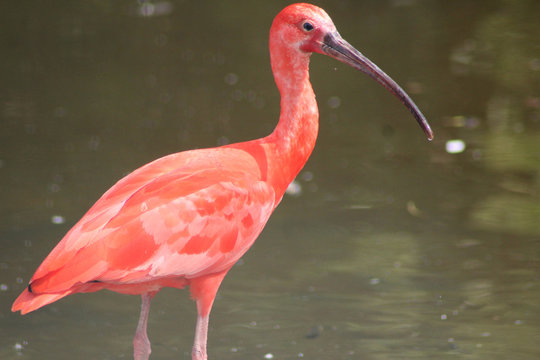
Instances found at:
x=186 y=218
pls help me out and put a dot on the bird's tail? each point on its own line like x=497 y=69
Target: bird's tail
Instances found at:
x=28 y=301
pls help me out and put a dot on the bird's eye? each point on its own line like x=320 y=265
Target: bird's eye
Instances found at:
x=307 y=26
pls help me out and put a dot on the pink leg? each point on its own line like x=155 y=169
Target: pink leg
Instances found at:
x=203 y=290
x=141 y=344
x=199 y=345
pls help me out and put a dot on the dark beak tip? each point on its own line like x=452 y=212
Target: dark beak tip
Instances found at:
x=334 y=46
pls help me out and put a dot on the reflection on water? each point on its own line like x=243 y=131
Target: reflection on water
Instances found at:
x=386 y=246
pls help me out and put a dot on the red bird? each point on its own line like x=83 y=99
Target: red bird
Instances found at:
x=185 y=219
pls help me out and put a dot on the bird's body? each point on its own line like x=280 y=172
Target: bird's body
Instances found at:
x=185 y=219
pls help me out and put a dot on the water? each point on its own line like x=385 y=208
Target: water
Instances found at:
x=392 y=247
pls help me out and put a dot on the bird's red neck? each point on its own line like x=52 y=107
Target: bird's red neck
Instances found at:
x=293 y=139
x=282 y=154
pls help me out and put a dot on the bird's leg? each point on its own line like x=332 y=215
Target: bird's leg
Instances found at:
x=203 y=290
x=141 y=344
x=199 y=345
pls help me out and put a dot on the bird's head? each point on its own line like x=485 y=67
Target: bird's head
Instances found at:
x=302 y=29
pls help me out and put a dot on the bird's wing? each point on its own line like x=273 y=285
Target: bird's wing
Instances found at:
x=163 y=220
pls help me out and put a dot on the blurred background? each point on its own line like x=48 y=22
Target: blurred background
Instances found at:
x=387 y=246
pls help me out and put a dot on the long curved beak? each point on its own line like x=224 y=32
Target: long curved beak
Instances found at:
x=334 y=46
